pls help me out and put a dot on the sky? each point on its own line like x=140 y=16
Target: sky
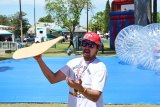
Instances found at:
x=10 y=7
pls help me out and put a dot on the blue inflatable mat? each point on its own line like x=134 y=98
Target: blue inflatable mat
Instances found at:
x=23 y=81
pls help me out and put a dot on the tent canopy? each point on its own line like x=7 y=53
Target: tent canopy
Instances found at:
x=5 y=32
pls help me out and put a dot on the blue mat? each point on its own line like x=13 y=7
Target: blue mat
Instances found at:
x=23 y=81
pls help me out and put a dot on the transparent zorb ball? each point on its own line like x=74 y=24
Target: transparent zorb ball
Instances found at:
x=156 y=55
x=125 y=44
x=149 y=47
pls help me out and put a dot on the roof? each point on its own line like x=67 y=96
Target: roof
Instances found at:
x=59 y=29
x=5 y=32
x=80 y=29
x=3 y=27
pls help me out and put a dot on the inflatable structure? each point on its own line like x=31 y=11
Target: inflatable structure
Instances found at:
x=121 y=16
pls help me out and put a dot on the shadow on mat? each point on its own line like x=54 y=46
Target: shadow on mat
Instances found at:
x=5 y=68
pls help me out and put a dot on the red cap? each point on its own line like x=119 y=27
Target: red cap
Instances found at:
x=94 y=37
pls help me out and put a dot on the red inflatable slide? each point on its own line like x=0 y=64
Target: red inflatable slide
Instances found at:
x=122 y=15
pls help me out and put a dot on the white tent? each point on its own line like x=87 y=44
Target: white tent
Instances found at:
x=5 y=32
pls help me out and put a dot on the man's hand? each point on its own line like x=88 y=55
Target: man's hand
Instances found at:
x=38 y=57
x=75 y=84
x=88 y=93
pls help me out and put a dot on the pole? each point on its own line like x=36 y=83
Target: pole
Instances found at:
x=34 y=19
x=21 y=21
x=87 y=16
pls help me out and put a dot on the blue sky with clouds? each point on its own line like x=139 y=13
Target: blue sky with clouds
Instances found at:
x=10 y=7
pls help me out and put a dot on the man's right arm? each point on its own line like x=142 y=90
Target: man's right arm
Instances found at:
x=51 y=76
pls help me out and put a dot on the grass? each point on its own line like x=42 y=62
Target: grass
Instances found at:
x=65 y=105
x=4 y=55
x=60 y=50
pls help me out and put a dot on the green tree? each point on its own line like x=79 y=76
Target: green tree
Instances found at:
x=100 y=22
x=158 y=17
x=155 y=11
x=67 y=13
x=97 y=22
x=4 y=20
x=15 y=21
x=107 y=18
x=47 y=18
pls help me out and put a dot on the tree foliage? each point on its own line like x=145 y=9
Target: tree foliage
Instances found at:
x=14 y=21
x=4 y=20
x=100 y=22
x=97 y=22
x=66 y=13
x=47 y=18
x=107 y=18
x=158 y=17
x=155 y=11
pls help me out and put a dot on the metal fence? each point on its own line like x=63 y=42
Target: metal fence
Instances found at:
x=8 y=46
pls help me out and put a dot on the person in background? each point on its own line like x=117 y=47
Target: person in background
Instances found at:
x=86 y=76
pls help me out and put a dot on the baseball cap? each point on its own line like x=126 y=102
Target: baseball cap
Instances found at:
x=92 y=36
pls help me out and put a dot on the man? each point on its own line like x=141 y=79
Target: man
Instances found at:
x=86 y=76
